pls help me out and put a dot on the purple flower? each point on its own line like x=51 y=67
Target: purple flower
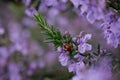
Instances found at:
x=41 y=64
x=111 y=29
x=64 y=58
x=76 y=67
x=80 y=66
x=83 y=45
x=71 y=67
x=30 y=12
x=78 y=57
x=14 y=72
x=33 y=65
x=95 y=11
x=59 y=49
x=87 y=37
x=2 y=31
x=4 y=53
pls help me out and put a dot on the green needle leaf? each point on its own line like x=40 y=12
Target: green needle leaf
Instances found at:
x=54 y=35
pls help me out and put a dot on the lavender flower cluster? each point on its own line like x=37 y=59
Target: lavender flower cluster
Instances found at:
x=96 y=10
x=16 y=52
x=20 y=54
x=81 y=64
x=76 y=63
x=83 y=46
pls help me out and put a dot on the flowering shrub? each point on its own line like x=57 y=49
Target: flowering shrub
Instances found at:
x=75 y=53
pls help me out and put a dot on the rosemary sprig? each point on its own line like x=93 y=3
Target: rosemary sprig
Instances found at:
x=53 y=35
x=65 y=40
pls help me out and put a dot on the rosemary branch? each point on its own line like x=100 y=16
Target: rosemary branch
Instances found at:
x=53 y=35
x=58 y=39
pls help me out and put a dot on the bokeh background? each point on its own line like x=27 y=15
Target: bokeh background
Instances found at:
x=23 y=54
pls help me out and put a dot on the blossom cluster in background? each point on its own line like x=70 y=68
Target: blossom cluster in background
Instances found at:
x=21 y=56
x=95 y=11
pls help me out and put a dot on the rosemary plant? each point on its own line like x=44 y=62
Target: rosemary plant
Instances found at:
x=53 y=35
x=69 y=47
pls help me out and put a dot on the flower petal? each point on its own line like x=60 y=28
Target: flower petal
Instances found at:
x=81 y=48
x=87 y=37
x=63 y=59
x=88 y=46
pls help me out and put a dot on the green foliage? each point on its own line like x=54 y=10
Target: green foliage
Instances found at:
x=53 y=35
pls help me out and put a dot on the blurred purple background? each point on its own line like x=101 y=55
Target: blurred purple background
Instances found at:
x=23 y=54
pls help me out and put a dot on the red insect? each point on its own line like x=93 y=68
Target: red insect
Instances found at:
x=68 y=47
